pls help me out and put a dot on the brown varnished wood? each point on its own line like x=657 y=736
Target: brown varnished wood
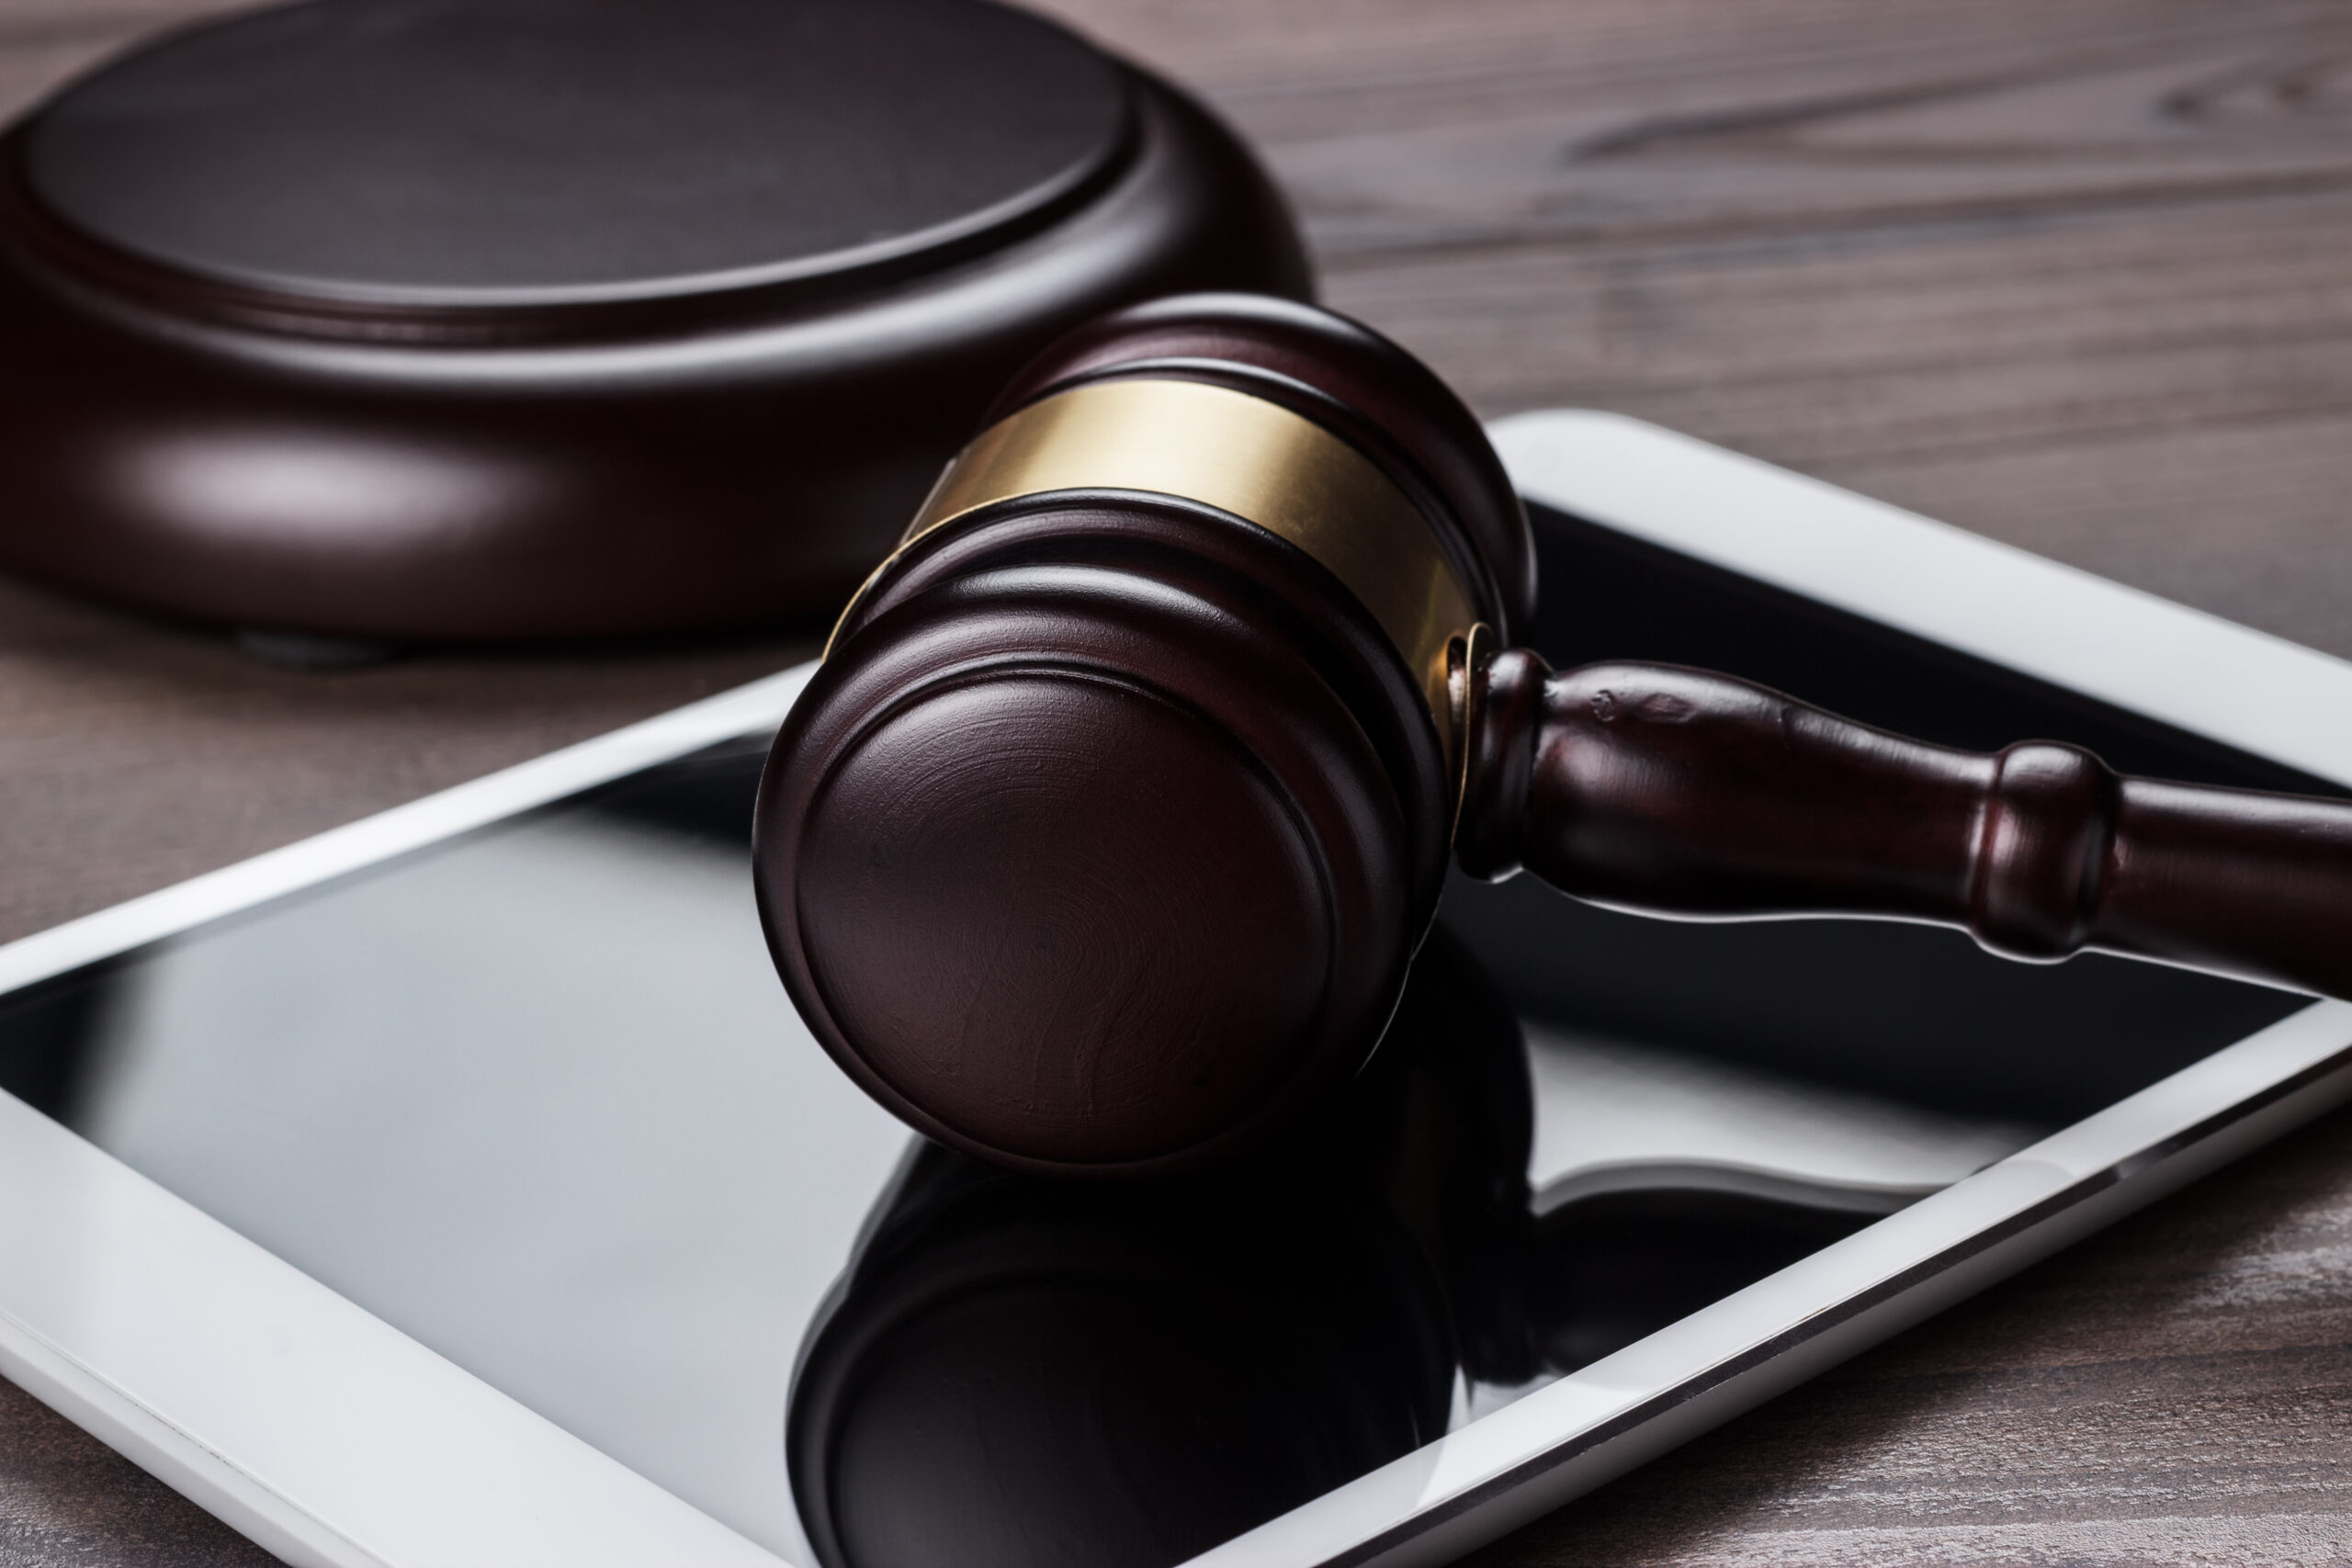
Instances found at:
x=1678 y=791
x=511 y=461
x=2109 y=332
x=1075 y=856
x=1122 y=767
x=1102 y=841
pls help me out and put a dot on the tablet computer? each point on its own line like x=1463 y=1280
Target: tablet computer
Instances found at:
x=459 y=1186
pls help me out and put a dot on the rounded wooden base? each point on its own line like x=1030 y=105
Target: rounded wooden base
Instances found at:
x=660 y=319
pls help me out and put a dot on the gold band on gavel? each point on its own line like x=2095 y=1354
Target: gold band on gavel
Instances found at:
x=1240 y=454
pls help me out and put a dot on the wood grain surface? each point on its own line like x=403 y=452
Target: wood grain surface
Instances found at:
x=2070 y=274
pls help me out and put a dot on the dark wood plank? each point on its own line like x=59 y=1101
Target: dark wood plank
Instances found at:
x=2068 y=276
x=135 y=755
x=65 y=1498
x=2163 y=402
x=2071 y=275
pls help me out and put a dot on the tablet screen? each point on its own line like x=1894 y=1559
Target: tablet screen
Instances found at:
x=535 y=1097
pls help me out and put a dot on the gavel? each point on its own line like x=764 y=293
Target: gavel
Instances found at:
x=1102 y=839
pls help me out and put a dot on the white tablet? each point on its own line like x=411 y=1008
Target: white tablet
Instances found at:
x=459 y=1186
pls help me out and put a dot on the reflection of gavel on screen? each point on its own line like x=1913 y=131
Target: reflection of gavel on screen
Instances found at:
x=1021 y=1371
x=1104 y=837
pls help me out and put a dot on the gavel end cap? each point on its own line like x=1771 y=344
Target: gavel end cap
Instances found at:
x=1057 y=918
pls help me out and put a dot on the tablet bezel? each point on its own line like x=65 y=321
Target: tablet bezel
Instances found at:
x=330 y=1438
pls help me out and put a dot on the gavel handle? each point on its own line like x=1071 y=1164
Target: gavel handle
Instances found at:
x=1677 y=792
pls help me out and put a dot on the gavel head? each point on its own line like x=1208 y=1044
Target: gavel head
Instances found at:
x=1101 y=839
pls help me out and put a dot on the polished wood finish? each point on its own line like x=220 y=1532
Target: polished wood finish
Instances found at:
x=1075 y=855
x=1647 y=787
x=1102 y=842
x=558 y=387
x=2068 y=274
x=1215 y=922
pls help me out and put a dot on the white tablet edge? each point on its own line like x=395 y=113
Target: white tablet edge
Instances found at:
x=759 y=705
x=2002 y=604
x=1571 y=1436
x=2130 y=648
x=171 y=1337
x=297 y=1417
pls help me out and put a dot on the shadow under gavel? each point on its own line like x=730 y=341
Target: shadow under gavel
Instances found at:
x=1026 y=1372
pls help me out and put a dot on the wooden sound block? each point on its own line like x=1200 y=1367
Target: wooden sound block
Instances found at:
x=491 y=319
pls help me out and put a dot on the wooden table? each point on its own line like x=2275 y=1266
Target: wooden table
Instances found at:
x=2077 y=276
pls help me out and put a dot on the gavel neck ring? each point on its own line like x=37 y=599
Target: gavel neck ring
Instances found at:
x=1242 y=456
